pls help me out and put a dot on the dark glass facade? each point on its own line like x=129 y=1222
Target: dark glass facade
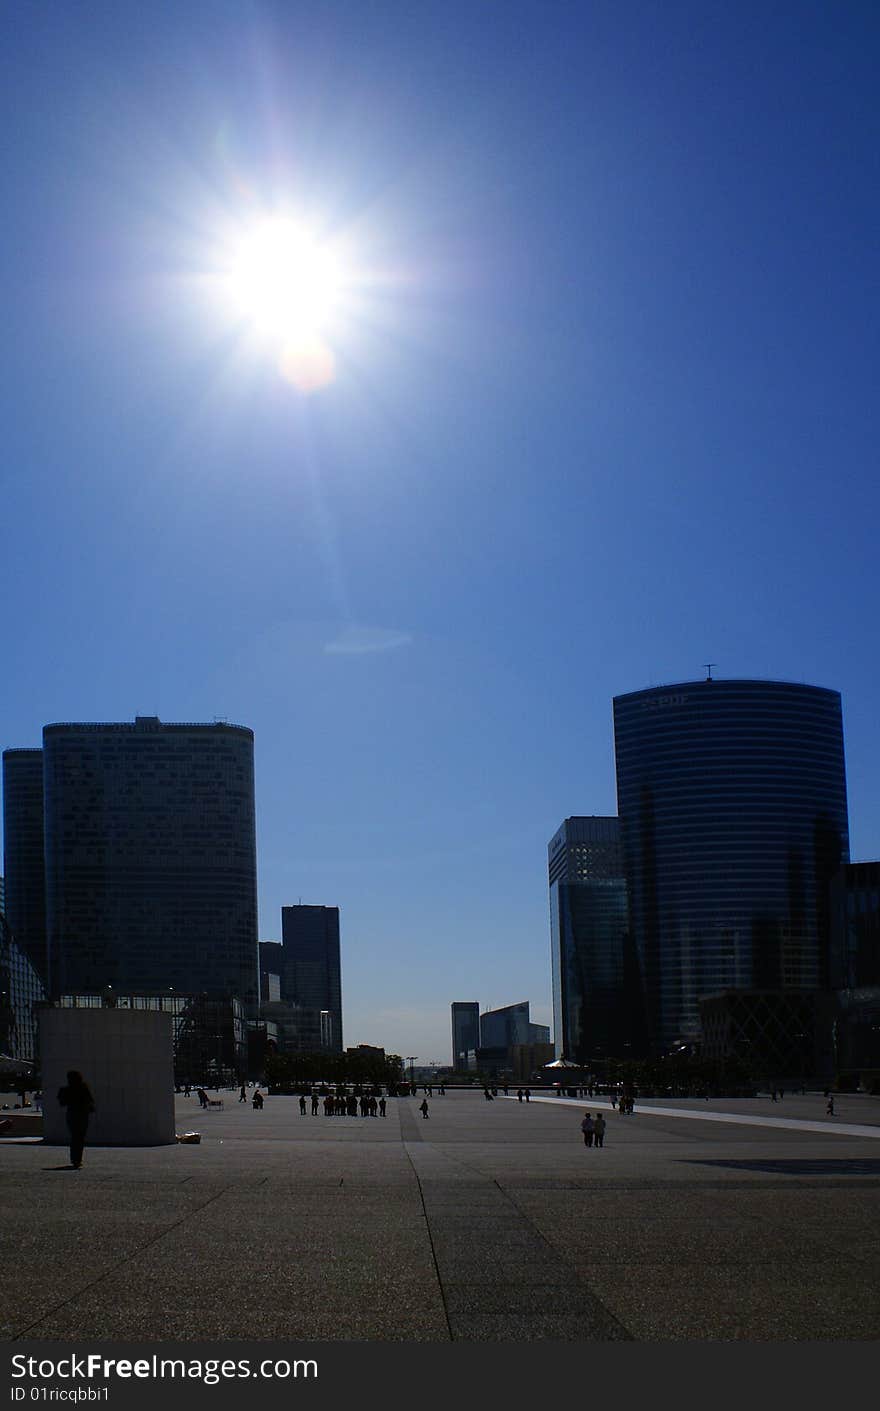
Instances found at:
x=150 y=855
x=311 y=972
x=21 y=993
x=596 y=995
x=855 y=968
x=733 y=816
x=502 y=1028
x=23 y=857
x=855 y=926
x=465 y=1031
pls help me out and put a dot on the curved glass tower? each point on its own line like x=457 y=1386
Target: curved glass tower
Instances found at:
x=733 y=817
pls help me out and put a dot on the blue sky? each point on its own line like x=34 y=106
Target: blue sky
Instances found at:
x=604 y=409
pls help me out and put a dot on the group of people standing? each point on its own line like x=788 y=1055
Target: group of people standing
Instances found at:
x=345 y=1105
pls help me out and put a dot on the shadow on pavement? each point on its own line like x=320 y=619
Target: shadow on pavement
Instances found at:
x=864 y=1166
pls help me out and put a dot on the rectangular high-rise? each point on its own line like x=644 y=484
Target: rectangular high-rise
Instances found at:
x=596 y=1001
x=465 y=1031
x=149 y=852
x=311 y=967
x=23 y=855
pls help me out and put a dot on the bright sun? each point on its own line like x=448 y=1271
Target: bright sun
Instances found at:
x=285 y=281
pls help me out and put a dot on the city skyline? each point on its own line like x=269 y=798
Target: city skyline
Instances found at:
x=602 y=409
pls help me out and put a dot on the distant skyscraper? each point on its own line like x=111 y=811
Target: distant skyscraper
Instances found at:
x=596 y=997
x=465 y=1030
x=509 y=1041
x=733 y=815
x=311 y=967
x=150 y=858
x=502 y=1028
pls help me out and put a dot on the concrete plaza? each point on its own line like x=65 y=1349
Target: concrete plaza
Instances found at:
x=486 y=1222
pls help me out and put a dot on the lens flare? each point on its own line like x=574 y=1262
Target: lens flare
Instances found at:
x=307 y=363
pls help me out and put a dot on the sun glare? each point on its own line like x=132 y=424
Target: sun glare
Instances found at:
x=284 y=281
x=293 y=291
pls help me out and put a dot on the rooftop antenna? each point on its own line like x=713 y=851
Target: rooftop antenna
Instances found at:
x=708 y=665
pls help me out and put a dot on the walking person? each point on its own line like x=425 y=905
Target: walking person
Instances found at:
x=423 y=1107
x=77 y=1098
x=527 y=1094
x=314 y=1104
x=242 y=1094
x=381 y=1107
x=302 y=1107
x=588 y=1129
x=829 y=1110
x=599 y=1125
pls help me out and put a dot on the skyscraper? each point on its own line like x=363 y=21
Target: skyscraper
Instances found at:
x=23 y=855
x=733 y=817
x=596 y=996
x=311 y=966
x=465 y=1030
x=150 y=858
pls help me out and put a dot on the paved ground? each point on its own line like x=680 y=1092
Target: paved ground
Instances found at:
x=487 y=1222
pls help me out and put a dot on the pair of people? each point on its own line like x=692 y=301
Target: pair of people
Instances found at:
x=593 y=1129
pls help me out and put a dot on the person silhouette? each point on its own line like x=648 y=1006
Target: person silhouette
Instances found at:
x=423 y=1107
x=77 y=1098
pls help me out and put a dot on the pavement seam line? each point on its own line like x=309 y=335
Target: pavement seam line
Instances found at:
x=561 y=1259
x=47 y=1313
x=558 y=1257
x=431 y=1242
